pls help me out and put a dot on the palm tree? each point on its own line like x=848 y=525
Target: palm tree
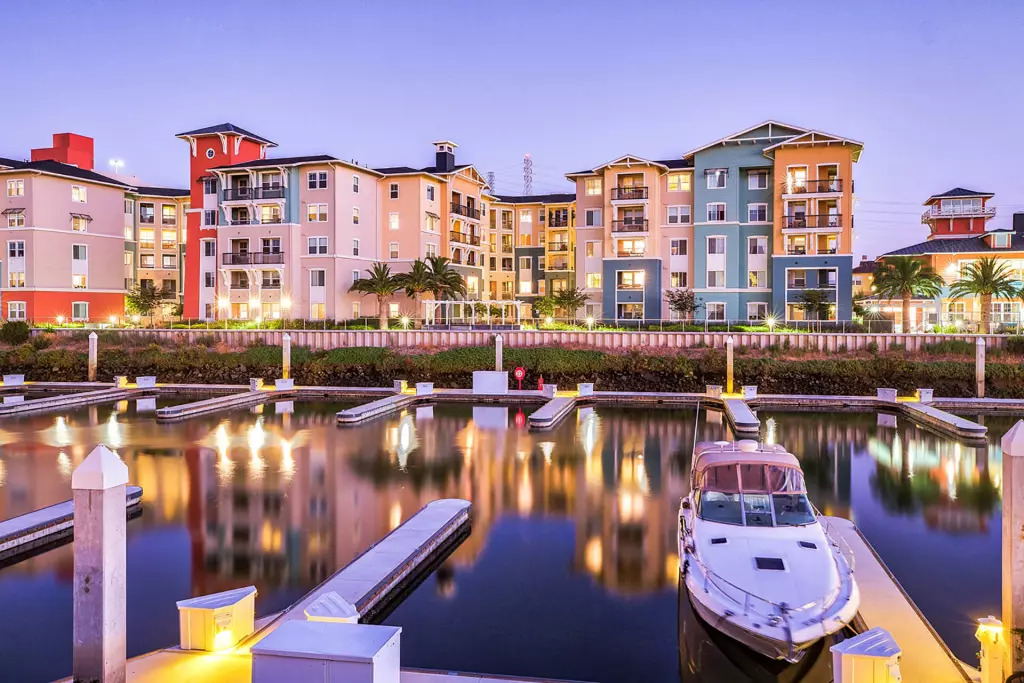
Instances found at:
x=904 y=277
x=571 y=300
x=381 y=284
x=445 y=281
x=987 y=278
x=416 y=282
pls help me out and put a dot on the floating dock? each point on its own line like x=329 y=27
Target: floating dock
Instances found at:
x=221 y=403
x=378 y=408
x=942 y=421
x=48 y=403
x=551 y=414
x=742 y=418
x=883 y=602
x=22 y=534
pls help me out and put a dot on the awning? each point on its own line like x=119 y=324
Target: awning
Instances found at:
x=204 y=178
x=8 y=212
x=84 y=216
x=433 y=215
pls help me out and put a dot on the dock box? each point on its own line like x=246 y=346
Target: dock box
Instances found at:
x=549 y=390
x=585 y=389
x=332 y=607
x=925 y=395
x=120 y=381
x=217 y=621
x=490 y=382
x=713 y=390
x=400 y=386
x=328 y=652
x=749 y=391
x=887 y=395
x=255 y=383
x=424 y=388
x=872 y=656
x=284 y=384
x=146 y=382
x=14 y=380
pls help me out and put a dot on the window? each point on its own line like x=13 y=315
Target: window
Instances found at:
x=716 y=278
x=79 y=223
x=318 y=278
x=16 y=249
x=678 y=278
x=168 y=214
x=210 y=217
x=355 y=247
x=15 y=310
x=355 y=309
x=147 y=261
x=757 y=279
x=472 y=284
x=271 y=245
x=716 y=212
x=271 y=279
x=592 y=186
x=757 y=213
x=678 y=182
x=355 y=184
x=757 y=310
x=430 y=193
x=393 y=191
x=678 y=214
x=433 y=222
x=169 y=261
x=716 y=178
x=209 y=279
x=593 y=280
x=677 y=247
x=431 y=250
x=593 y=248
x=209 y=186
x=355 y=215
x=757 y=180
x=525 y=263
x=168 y=239
x=716 y=245
x=169 y=286
x=715 y=311
x=15 y=188
x=525 y=216
x=209 y=248
x=80 y=310
x=78 y=194
x=317 y=180
x=210 y=153
x=78 y=281
x=129 y=207
x=797 y=279
x=15 y=218
x=757 y=245
x=317 y=245
x=147 y=213
x=592 y=217
x=15 y=278
x=630 y=279
x=79 y=252
x=393 y=221
x=317 y=311
x=393 y=250
x=316 y=213
x=355 y=276
x=1001 y=239
x=129 y=258
x=129 y=233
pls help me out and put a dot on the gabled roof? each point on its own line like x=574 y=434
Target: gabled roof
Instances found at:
x=815 y=137
x=226 y=128
x=161 y=192
x=279 y=161
x=864 y=267
x=962 y=245
x=408 y=170
x=9 y=163
x=960 y=192
x=786 y=131
x=58 y=169
x=638 y=160
x=553 y=198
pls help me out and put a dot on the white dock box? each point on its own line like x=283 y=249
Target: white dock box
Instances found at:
x=749 y=391
x=328 y=652
x=490 y=382
x=255 y=383
x=925 y=395
x=14 y=380
x=284 y=384
x=585 y=388
x=713 y=390
x=145 y=382
x=332 y=607
x=217 y=621
x=886 y=395
x=871 y=657
x=424 y=388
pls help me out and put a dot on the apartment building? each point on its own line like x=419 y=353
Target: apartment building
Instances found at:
x=154 y=240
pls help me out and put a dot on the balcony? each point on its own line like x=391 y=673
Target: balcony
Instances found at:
x=239 y=285
x=465 y=238
x=830 y=220
x=467 y=211
x=630 y=254
x=628 y=193
x=560 y=265
x=629 y=286
x=269 y=192
x=267 y=220
x=149 y=220
x=796 y=251
x=812 y=186
x=253 y=258
x=558 y=222
x=558 y=246
x=934 y=212
x=237 y=194
x=630 y=225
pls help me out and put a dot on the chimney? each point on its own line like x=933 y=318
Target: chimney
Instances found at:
x=444 y=156
x=68 y=148
x=1018 y=222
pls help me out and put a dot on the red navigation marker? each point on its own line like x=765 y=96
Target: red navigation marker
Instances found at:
x=519 y=374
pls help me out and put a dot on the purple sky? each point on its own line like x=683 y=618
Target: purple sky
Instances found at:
x=934 y=89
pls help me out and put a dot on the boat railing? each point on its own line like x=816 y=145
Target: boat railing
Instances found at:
x=839 y=543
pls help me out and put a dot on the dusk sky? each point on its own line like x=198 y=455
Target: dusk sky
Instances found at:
x=934 y=89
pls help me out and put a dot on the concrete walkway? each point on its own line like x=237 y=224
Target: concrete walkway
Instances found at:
x=220 y=403
x=742 y=418
x=551 y=414
x=883 y=602
x=47 y=403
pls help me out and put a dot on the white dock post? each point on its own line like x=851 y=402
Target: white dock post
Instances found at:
x=1013 y=550
x=979 y=366
x=93 y=355
x=990 y=635
x=728 y=364
x=498 y=343
x=98 y=646
x=286 y=356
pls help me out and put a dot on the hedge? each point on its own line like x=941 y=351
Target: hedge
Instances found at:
x=632 y=371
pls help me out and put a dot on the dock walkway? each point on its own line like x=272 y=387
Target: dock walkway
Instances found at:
x=220 y=403
x=59 y=402
x=743 y=420
x=374 y=409
x=551 y=414
x=883 y=602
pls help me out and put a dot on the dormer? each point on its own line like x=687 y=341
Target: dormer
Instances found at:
x=444 y=155
x=999 y=239
x=957 y=213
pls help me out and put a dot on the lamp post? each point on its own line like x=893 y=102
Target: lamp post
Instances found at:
x=117 y=165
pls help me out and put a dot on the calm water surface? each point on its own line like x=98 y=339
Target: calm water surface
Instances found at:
x=571 y=569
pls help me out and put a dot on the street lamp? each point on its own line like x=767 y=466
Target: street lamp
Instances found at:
x=117 y=165
x=405 y=321
x=60 y=320
x=590 y=322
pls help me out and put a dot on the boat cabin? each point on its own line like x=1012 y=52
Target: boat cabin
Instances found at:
x=745 y=484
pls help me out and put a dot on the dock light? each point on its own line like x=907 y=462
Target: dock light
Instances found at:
x=590 y=321
x=286 y=303
x=958 y=323
x=874 y=309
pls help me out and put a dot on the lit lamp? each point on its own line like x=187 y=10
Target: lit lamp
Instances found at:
x=136 y=318
x=217 y=621
x=60 y=320
x=590 y=322
x=286 y=303
x=405 y=321
x=222 y=302
x=549 y=320
x=113 y=320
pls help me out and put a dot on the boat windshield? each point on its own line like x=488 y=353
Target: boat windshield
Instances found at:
x=753 y=494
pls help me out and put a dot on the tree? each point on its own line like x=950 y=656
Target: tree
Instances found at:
x=143 y=301
x=904 y=277
x=445 y=281
x=544 y=306
x=986 y=278
x=381 y=284
x=683 y=301
x=815 y=304
x=572 y=300
x=418 y=281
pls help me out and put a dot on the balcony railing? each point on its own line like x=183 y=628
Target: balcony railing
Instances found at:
x=630 y=225
x=464 y=210
x=465 y=238
x=268 y=220
x=558 y=222
x=558 y=265
x=934 y=212
x=623 y=285
x=796 y=251
x=269 y=192
x=256 y=258
x=812 y=186
x=239 y=285
x=830 y=220
x=558 y=246
x=828 y=250
x=232 y=194
x=272 y=285
x=149 y=220
x=169 y=220
x=619 y=193
x=506 y=226
x=630 y=254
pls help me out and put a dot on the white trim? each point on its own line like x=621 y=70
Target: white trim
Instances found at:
x=725 y=213
x=725 y=310
x=766 y=220
x=69 y=290
x=758 y=173
x=736 y=136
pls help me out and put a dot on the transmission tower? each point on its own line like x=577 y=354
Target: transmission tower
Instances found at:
x=527 y=175
x=490 y=180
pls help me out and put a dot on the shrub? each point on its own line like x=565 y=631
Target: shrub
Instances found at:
x=897 y=347
x=872 y=348
x=14 y=332
x=950 y=346
x=43 y=341
x=1014 y=345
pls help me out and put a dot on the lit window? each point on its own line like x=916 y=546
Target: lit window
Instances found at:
x=678 y=182
x=78 y=281
x=525 y=216
x=317 y=311
x=393 y=310
x=525 y=287
x=168 y=214
x=355 y=215
x=592 y=186
x=393 y=221
x=593 y=280
x=316 y=213
x=677 y=247
x=677 y=278
x=472 y=284
x=16 y=278
x=79 y=223
x=168 y=239
x=128 y=258
x=355 y=309
x=593 y=248
x=757 y=279
x=15 y=218
x=716 y=178
x=525 y=263
x=78 y=194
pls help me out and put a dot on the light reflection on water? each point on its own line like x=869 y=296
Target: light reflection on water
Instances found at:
x=571 y=568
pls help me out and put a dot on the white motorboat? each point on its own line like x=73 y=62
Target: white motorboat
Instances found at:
x=756 y=562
